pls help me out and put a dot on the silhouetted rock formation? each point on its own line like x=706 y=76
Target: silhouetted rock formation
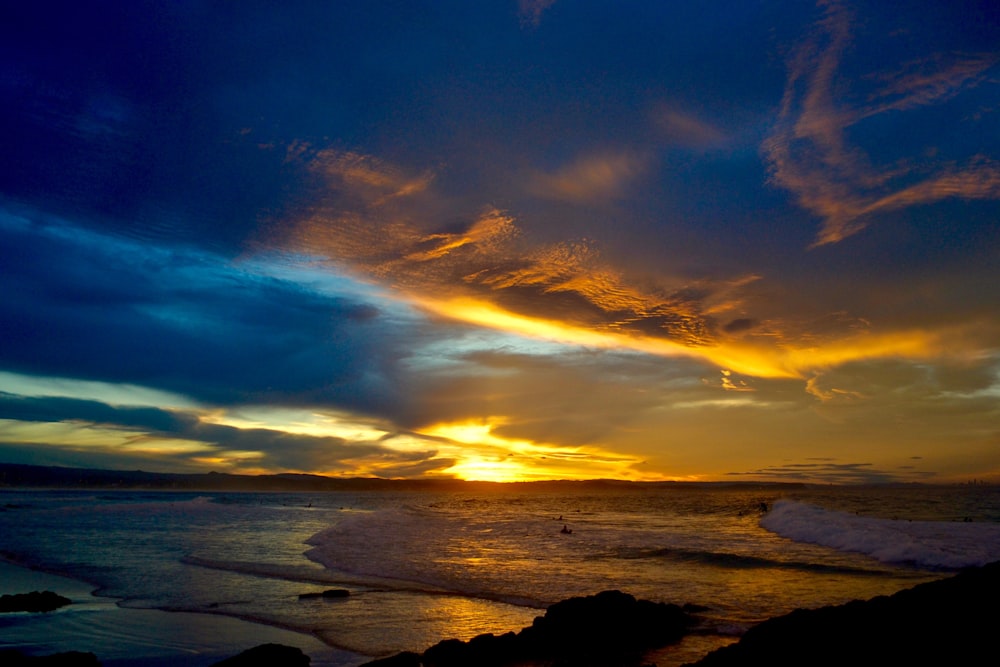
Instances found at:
x=34 y=602
x=328 y=594
x=13 y=658
x=610 y=628
x=947 y=622
x=267 y=655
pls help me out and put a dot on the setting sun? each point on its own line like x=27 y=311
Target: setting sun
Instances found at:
x=485 y=456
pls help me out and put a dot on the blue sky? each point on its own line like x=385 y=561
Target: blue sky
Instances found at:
x=503 y=240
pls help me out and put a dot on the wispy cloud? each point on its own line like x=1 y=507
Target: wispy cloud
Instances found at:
x=590 y=178
x=187 y=438
x=531 y=11
x=485 y=270
x=686 y=129
x=830 y=472
x=930 y=80
x=810 y=152
x=370 y=227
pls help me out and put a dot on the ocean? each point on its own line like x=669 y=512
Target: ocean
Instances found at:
x=425 y=566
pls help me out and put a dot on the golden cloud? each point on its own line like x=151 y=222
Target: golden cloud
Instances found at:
x=379 y=225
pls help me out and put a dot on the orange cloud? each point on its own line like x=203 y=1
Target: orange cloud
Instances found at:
x=929 y=81
x=375 y=225
x=374 y=181
x=588 y=179
x=531 y=11
x=757 y=359
x=809 y=152
x=687 y=130
x=485 y=272
x=488 y=233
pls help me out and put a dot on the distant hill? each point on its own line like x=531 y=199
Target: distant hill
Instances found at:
x=17 y=475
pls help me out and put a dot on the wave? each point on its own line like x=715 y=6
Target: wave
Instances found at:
x=934 y=545
x=742 y=561
x=310 y=575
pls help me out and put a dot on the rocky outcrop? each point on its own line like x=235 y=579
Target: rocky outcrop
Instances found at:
x=34 y=602
x=604 y=629
x=13 y=658
x=947 y=622
x=330 y=594
x=267 y=655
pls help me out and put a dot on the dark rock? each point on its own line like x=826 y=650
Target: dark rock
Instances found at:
x=33 y=602
x=946 y=622
x=404 y=659
x=336 y=593
x=608 y=628
x=14 y=658
x=267 y=655
x=328 y=594
x=608 y=623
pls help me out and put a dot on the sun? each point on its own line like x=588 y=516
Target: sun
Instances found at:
x=479 y=469
x=482 y=455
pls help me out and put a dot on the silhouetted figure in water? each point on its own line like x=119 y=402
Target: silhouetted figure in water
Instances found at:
x=565 y=530
x=560 y=518
x=763 y=507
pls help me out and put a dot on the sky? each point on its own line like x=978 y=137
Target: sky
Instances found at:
x=503 y=240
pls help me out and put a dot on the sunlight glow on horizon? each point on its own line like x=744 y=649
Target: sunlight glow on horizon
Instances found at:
x=491 y=458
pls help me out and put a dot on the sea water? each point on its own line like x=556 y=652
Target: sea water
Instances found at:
x=425 y=566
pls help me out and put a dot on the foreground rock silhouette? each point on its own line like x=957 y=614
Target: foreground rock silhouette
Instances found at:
x=267 y=655
x=947 y=622
x=33 y=602
x=333 y=593
x=14 y=658
x=610 y=628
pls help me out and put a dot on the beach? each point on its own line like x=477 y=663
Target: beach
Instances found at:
x=123 y=637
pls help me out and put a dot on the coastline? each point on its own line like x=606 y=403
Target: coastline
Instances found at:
x=127 y=637
x=247 y=556
x=946 y=614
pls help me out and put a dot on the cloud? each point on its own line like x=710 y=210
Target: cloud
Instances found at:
x=684 y=129
x=191 y=439
x=810 y=151
x=488 y=256
x=592 y=178
x=531 y=11
x=485 y=269
x=730 y=383
x=930 y=80
x=739 y=325
x=360 y=175
x=836 y=473
x=487 y=235
x=55 y=409
x=98 y=307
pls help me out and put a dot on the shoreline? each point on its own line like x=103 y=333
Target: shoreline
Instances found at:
x=129 y=637
x=875 y=631
x=123 y=636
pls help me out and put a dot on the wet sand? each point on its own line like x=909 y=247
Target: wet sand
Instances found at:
x=123 y=637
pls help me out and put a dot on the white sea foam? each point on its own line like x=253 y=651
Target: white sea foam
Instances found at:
x=927 y=544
